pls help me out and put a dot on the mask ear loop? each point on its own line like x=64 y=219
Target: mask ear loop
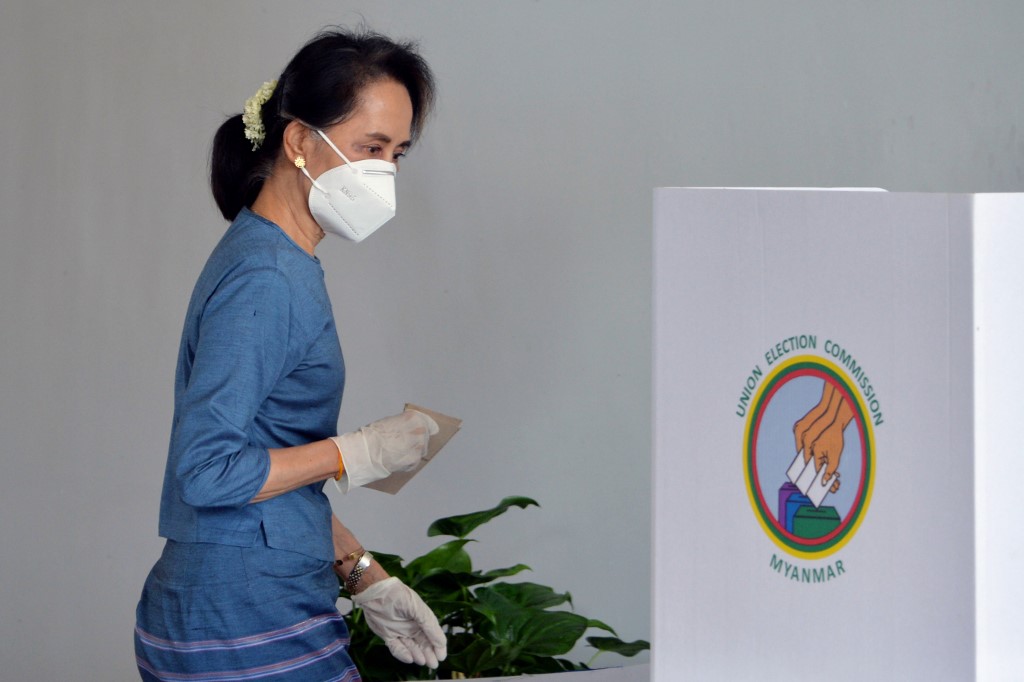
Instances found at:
x=302 y=166
x=305 y=172
x=337 y=151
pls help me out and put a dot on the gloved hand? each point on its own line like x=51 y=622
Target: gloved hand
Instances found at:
x=406 y=624
x=383 y=447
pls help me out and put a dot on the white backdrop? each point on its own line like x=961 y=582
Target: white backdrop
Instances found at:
x=513 y=290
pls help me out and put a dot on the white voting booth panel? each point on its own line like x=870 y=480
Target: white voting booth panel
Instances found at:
x=999 y=329
x=816 y=479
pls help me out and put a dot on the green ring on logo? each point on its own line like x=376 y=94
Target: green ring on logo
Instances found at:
x=802 y=364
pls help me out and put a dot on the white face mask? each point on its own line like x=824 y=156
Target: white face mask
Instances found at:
x=354 y=199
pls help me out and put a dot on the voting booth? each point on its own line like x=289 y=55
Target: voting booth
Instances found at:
x=835 y=465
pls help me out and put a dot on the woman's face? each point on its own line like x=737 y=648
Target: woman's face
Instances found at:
x=380 y=128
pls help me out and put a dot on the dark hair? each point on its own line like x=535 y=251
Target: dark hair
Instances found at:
x=320 y=87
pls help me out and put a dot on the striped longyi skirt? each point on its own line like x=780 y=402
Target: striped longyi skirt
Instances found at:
x=217 y=613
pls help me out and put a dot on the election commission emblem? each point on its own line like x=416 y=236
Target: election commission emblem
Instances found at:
x=809 y=456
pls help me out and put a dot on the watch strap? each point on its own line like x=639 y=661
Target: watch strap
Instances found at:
x=356 y=574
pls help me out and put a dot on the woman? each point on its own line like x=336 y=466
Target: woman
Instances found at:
x=248 y=579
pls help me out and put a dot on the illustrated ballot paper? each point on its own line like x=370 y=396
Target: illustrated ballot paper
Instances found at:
x=835 y=385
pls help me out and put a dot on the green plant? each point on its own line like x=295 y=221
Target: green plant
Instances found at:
x=494 y=627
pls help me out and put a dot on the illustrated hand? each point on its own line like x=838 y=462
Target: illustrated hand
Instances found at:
x=827 y=451
x=809 y=427
x=383 y=447
x=406 y=624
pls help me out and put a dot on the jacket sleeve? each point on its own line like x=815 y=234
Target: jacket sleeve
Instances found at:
x=241 y=352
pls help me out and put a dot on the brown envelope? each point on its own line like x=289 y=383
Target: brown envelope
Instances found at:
x=447 y=427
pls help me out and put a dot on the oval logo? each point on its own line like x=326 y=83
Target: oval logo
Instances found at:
x=809 y=457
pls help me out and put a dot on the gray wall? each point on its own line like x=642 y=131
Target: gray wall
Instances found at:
x=513 y=290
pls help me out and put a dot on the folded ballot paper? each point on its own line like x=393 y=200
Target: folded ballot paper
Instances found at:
x=447 y=427
x=809 y=479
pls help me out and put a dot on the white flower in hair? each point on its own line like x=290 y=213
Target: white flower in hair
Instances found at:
x=254 y=130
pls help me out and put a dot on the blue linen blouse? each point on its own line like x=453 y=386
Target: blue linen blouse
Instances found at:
x=259 y=366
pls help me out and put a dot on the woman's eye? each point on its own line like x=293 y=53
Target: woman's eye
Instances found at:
x=399 y=155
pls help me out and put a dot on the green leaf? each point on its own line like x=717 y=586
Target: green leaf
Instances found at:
x=534 y=665
x=505 y=572
x=547 y=633
x=594 y=623
x=459 y=617
x=392 y=563
x=531 y=595
x=462 y=525
x=528 y=629
x=489 y=613
x=451 y=582
x=617 y=646
x=475 y=658
x=447 y=586
x=448 y=557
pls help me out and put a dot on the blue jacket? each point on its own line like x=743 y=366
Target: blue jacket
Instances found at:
x=259 y=367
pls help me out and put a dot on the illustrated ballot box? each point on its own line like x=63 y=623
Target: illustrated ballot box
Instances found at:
x=835 y=376
x=794 y=503
x=787 y=491
x=812 y=522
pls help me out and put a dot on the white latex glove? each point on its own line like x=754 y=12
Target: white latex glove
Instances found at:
x=383 y=447
x=406 y=624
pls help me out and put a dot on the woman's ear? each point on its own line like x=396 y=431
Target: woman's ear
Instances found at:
x=296 y=141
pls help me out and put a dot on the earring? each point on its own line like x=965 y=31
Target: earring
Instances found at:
x=300 y=162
